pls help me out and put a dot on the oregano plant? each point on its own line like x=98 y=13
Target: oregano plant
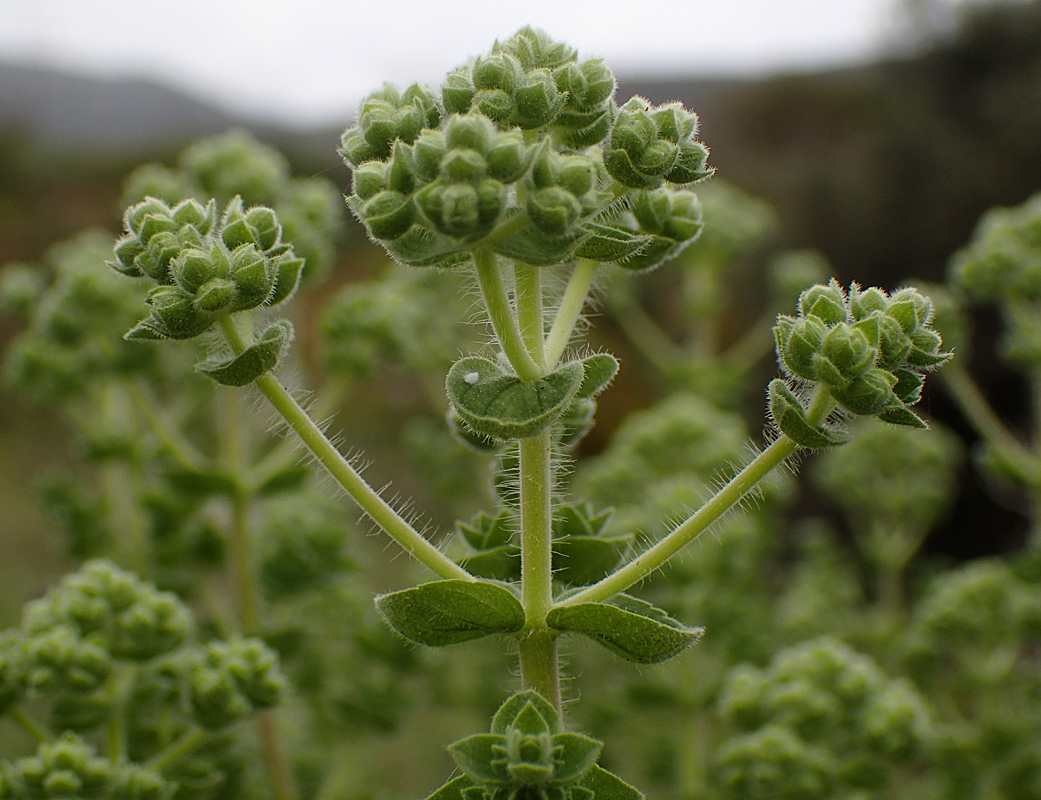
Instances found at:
x=524 y=174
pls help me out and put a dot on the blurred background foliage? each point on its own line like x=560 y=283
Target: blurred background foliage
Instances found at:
x=876 y=173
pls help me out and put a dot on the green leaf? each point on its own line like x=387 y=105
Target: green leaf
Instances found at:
x=455 y=789
x=790 y=417
x=481 y=757
x=502 y=406
x=632 y=628
x=254 y=361
x=451 y=611
x=424 y=248
x=597 y=372
x=901 y=415
x=575 y=755
x=539 y=249
x=607 y=786
x=582 y=560
x=514 y=706
x=607 y=243
x=497 y=564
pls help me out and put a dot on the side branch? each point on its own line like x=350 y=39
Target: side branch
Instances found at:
x=347 y=476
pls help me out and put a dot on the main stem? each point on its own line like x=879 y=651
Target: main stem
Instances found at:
x=539 y=660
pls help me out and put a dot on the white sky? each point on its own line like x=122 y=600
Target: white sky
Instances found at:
x=313 y=59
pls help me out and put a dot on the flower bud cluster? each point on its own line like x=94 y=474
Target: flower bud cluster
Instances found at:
x=385 y=117
x=204 y=267
x=562 y=189
x=453 y=179
x=228 y=681
x=67 y=345
x=652 y=145
x=531 y=82
x=69 y=768
x=869 y=350
x=528 y=754
x=969 y=615
x=820 y=719
x=105 y=609
x=525 y=132
x=1003 y=260
x=1002 y=264
x=236 y=164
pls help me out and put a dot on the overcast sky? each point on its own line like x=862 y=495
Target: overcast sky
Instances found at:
x=313 y=59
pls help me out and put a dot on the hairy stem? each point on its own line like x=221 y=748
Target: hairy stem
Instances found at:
x=501 y=314
x=571 y=305
x=538 y=646
x=726 y=498
x=528 y=281
x=367 y=498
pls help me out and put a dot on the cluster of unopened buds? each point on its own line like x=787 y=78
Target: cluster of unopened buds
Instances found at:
x=525 y=151
x=868 y=350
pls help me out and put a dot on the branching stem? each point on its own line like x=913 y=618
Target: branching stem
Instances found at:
x=500 y=312
x=367 y=498
x=726 y=498
x=571 y=305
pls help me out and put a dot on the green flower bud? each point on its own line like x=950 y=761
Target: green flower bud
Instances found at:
x=126 y=250
x=588 y=85
x=174 y=311
x=140 y=783
x=388 y=215
x=64 y=768
x=675 y=123
x=154 y=260
x=868 y=394
x=537 y=100
x=690 y=164
x=798 y=342
x=60 y=660
x=893 y=343
x=863 y=302
x=264 y=226
x=13 y=671
x=495 y=71
x=457 y=92
x=427 y=152
x=495 y=104
x=369 y=179
x=215 y=295
x=577 y=175
x=214 y=697
x=827 y=303
x=137 y=215
x=194 y=267
x=254 y=277
x=847 y=349
x=684 y=221
x=508 y=157
x=459 y=211
x=191 y=212
x=553 y=210
x=355 y=149
x=534 y=49
x=470 y=131
x=658 y=157
x=463 y=166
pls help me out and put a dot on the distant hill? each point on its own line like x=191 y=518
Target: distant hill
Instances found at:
x=65 y=111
